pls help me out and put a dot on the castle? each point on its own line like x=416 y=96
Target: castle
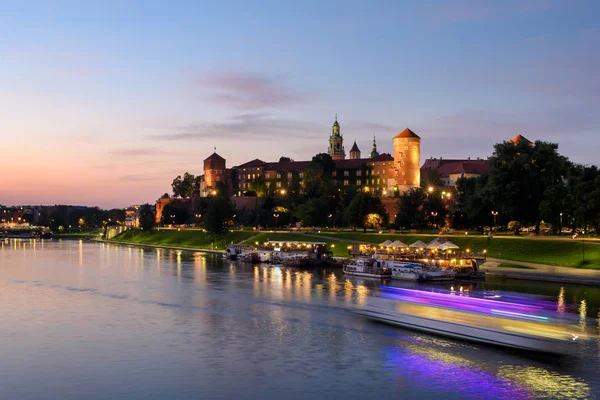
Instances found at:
x=382 y=173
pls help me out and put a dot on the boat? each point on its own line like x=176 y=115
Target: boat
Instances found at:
x=487 y=321
x=405 y=271
x=368 y=268
x=416 y=271
x=296 y=260
x=435 y=274
x=235 y=251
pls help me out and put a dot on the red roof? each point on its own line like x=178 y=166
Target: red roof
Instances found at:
x=445 y=168
x=254 y=163
x=382 y=157
x=519 y=138
x=406 y=133
x=215 y=156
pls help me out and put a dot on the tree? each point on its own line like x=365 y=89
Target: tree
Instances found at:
x=317 y=177
x=258 y=185
x=520 y=173
x=184 y=187
x=361 y=206
x=473 y=205
x=285 y=159
x=585 y=197
x=314 y=212
x=218 y=212
x=411 y=209
x=176 y=212
x=147 y=219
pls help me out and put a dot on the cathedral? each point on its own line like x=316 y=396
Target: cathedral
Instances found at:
x=381 y=173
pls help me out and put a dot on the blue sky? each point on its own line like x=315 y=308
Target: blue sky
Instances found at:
x=104 y=103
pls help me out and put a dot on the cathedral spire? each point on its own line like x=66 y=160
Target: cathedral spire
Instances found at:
x=336 y=142
x=374 y=152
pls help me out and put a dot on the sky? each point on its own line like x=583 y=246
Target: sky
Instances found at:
x=104 y=103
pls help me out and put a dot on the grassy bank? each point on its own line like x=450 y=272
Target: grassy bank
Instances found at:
x=184 y=238
x=92 y=232
x=551 y=252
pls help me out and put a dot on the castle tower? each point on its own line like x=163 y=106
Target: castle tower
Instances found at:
x=214 y=170
x=354 y=152
x=336 y=142
x=374 y=152
x=407 y=160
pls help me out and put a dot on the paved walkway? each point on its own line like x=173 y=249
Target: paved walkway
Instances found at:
x=541 y=272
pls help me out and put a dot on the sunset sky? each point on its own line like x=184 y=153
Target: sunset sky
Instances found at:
x=104 y=103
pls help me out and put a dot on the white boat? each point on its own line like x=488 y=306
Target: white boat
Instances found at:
x=415 y=271
x=405 y=271
x=495 y=324
x=237 y=250
x=368 y=268
x=439 y=275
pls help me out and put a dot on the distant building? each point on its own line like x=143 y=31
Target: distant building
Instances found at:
x=450 y=170
x=381 y=173
x=336 y=142
x=132 y=217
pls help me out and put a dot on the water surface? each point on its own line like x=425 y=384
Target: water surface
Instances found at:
x=99 y=321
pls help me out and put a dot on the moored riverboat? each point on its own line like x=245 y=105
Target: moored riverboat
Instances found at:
x=367 y=268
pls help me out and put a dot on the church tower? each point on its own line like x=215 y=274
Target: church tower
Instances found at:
x=374 y=152
x=354 y=152
x=407 y=160
x=336 y=142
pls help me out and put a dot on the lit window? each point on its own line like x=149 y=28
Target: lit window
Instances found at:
x=278 y=184
x=334 y=173
x=383 y=172
x=278 y=176
x=301 y=174
x=248 y=176
x=289 y=175
x=346 y=182
x=358 y=182
x=359 y=173
x=346 y=173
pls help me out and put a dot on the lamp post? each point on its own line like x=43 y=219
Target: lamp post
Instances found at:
x=434 y=215
x=560 y=225
x=276 y=221
x=495 y=214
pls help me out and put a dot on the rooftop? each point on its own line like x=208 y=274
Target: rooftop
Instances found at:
x=407 y=133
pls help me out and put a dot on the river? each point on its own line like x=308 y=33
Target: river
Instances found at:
x=102 y=321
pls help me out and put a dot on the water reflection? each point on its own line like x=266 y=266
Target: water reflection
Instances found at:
x=194 y=325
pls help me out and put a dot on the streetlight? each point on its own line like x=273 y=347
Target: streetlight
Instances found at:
x=560 y=225
x=276 y=221
x=434 y=215
x=430 y=189
x=495 y=214
x=282 y=191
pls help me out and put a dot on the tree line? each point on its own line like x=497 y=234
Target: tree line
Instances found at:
x=528 y=184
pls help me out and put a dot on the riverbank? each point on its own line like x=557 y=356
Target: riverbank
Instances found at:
x=190 y=239
x=583 y=254
x=158 y=246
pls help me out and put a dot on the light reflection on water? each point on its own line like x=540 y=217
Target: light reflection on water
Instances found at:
x=95 y=320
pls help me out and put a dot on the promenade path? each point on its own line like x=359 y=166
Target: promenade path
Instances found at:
x=541 y=272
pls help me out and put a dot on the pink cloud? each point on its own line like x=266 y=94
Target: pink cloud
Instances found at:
x=244 y=91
